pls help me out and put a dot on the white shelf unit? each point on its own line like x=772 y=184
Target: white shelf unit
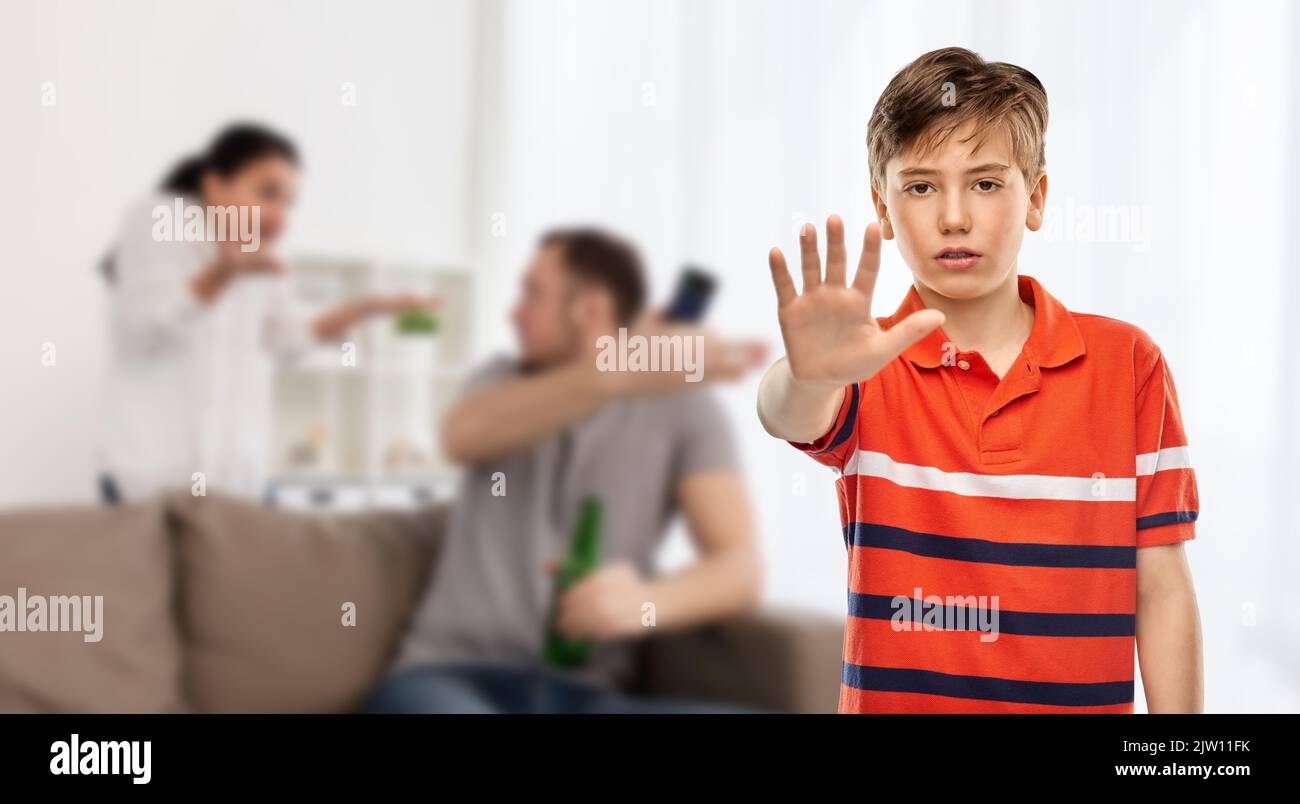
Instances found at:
x=361 y=432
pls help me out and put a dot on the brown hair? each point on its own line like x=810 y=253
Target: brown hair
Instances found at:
x=597 y=257
x=942 y=90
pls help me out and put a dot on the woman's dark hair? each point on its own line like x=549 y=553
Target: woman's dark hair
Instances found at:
x=233 y=149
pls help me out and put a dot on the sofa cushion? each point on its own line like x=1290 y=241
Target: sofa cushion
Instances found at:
x=777 y=661
x=120 y=556
x=263 y=596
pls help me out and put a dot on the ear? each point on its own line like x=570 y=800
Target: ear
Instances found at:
x=592 y=310
x=882 y=214
x=1037 y=204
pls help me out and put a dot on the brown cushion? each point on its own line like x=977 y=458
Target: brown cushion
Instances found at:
x=262 y=595
x=778 y=661
x=121 y=554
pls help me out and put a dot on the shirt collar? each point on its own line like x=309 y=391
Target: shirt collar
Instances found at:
x=1053 y=341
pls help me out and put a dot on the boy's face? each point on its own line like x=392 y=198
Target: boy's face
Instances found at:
x=956 y=198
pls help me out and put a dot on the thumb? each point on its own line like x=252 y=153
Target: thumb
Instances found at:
x=916 y=326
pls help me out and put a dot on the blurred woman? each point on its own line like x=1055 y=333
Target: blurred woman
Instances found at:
x=198 y=318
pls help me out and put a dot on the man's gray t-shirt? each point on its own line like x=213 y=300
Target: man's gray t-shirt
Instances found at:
x=490 y=594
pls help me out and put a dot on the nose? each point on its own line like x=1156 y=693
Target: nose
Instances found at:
x=954 y=217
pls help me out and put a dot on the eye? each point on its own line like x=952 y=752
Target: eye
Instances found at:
x=917 y=186
x=992 y=185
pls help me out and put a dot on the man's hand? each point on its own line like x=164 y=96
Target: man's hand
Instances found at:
x=831 y=339
x=721 y=359
x=604 y=605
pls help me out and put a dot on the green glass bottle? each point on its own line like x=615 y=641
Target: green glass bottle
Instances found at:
x=582 y=560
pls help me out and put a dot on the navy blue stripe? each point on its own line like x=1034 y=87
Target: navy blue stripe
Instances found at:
x=1025 y=623
x=846 y=429
x=984 y=688
x=1169 y=518
x=863 y=534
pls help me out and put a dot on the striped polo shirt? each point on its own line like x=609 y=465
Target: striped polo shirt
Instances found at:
x=992 y=525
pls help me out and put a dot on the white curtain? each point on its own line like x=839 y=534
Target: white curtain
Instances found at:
x=708 y=131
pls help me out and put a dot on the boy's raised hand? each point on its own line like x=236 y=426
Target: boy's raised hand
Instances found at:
x=830 y=336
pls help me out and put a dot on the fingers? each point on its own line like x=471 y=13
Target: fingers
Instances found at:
x=810 y=262
x=785 y=291
x=869 y=263
x=731 y=360
x=577 y=618
x=908 y=331
x=835 y=255
x=836 y=260
x=570 y=622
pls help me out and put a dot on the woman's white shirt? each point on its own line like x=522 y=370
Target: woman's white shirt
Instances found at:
x=189 y=385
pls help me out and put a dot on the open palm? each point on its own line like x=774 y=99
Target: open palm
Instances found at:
x=829 y=333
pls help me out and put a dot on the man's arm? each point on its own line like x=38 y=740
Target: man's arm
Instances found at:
x=1168 y=631
x=515 y=414
x=723 y=580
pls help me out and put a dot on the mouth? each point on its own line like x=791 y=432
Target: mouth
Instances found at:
x=958 y=258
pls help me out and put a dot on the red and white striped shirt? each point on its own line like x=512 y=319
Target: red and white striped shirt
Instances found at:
x=992 y=524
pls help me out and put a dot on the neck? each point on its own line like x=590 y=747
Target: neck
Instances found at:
x=987 y=322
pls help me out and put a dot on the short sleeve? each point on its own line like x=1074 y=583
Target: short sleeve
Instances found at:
x=1167 y=502
x=839 y=443
x=705 y=440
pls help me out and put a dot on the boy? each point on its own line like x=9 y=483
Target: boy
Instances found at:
x=1000 y=457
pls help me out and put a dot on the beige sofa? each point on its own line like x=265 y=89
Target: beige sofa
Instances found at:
x=215 y=605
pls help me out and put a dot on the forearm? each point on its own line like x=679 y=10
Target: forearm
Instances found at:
x=793 y=410
x=330 y=325
x=513 y=415
x=718 y=585
x=1169 y=648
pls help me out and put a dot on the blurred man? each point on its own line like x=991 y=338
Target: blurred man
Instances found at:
x=538 y=434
